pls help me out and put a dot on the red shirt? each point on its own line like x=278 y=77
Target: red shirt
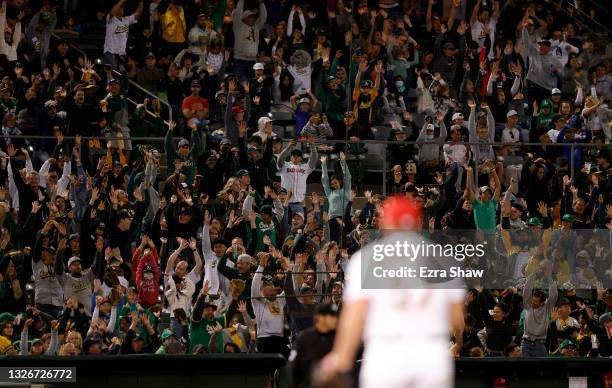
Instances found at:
x=195 y=103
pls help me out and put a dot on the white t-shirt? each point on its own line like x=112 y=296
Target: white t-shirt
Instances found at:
x=117 y=31
x=553 y=134
x=479 y=35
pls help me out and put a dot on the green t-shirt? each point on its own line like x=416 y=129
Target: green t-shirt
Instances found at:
x=200 y=332
x=484 y=215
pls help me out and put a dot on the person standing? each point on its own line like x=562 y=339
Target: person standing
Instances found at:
x=405 y=331
x=117 y=30
x=295 y=173
x=538 y=310
x=247 y=24
x=313 y=344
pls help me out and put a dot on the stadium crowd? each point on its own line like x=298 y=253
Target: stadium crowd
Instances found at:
x=104 y=234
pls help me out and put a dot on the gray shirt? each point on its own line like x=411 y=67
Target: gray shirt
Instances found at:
x=47 y=287
x=536 y=320
x=542 y=68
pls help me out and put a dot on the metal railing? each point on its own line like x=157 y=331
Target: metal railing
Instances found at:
x=384 y=157
x=148 y=93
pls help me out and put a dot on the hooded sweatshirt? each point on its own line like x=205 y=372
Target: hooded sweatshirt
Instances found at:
x=246 y=40
x=147 y=278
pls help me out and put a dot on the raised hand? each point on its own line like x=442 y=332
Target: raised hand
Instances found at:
x=542 y=209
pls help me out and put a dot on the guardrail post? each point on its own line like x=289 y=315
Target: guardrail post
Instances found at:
x=384 y=169
x=572 y=162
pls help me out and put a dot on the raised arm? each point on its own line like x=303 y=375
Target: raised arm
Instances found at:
x=247 y=206
x=469 y=182
x=116 y=10
x=528 y=290
x=283 y=155
x=325 y=177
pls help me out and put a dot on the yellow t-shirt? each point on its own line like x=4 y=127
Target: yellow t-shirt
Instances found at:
x=5 y=344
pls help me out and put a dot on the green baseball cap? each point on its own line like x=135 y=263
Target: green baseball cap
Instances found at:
x=568 y=217
x=166 y=334
x=534 y=221
x=5 y=317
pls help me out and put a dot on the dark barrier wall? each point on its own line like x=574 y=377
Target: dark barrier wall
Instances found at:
x=249 y=371
x=160 y=371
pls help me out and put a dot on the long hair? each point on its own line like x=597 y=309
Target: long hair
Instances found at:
x=227 y=188
x=286 y=91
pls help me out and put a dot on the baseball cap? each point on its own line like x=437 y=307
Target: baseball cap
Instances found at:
x=429 y=127
x=457 y=115
x=248 y=13
x=167 y=333
x=242 y=172
x=50 y=249
x=296 y=152
x=208 y=304
x=545 y=42
x=183 y=143
x=6 y=316
x=304 y=101
x=195 y=83
x=511 y=113
x=73 y=259
x=307 y=289
x=483 y=189
x=244 y=257
x=326 y=309
x=258 y=66
x=534 y=221
x=555 y=91
x=401 y=212
x=299 y=214
x=448 y=45
x=237 y=109
x=568 y=217
x=266 y=209
x=251 y=148
x=225 y=140
x=113 y=81
x=74 y=236
x=367 y=84
x=261 y=123
x=563 y=302
x=150 y=55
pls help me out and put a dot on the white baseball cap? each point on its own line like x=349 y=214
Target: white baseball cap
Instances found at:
x=261 y=123
x=429 y=127
x=302 y=100
x=555 y=91
x=511 y=113
x=258 y=66
x=457 y=115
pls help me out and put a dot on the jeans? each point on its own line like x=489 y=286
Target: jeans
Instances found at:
x=50 y=310
x=243 y=69
x=533 y=349
x=176 y=327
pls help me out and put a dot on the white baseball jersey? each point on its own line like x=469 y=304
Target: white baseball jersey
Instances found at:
x=406 y=333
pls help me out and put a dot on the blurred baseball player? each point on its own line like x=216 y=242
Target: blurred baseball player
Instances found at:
x=405 y=331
